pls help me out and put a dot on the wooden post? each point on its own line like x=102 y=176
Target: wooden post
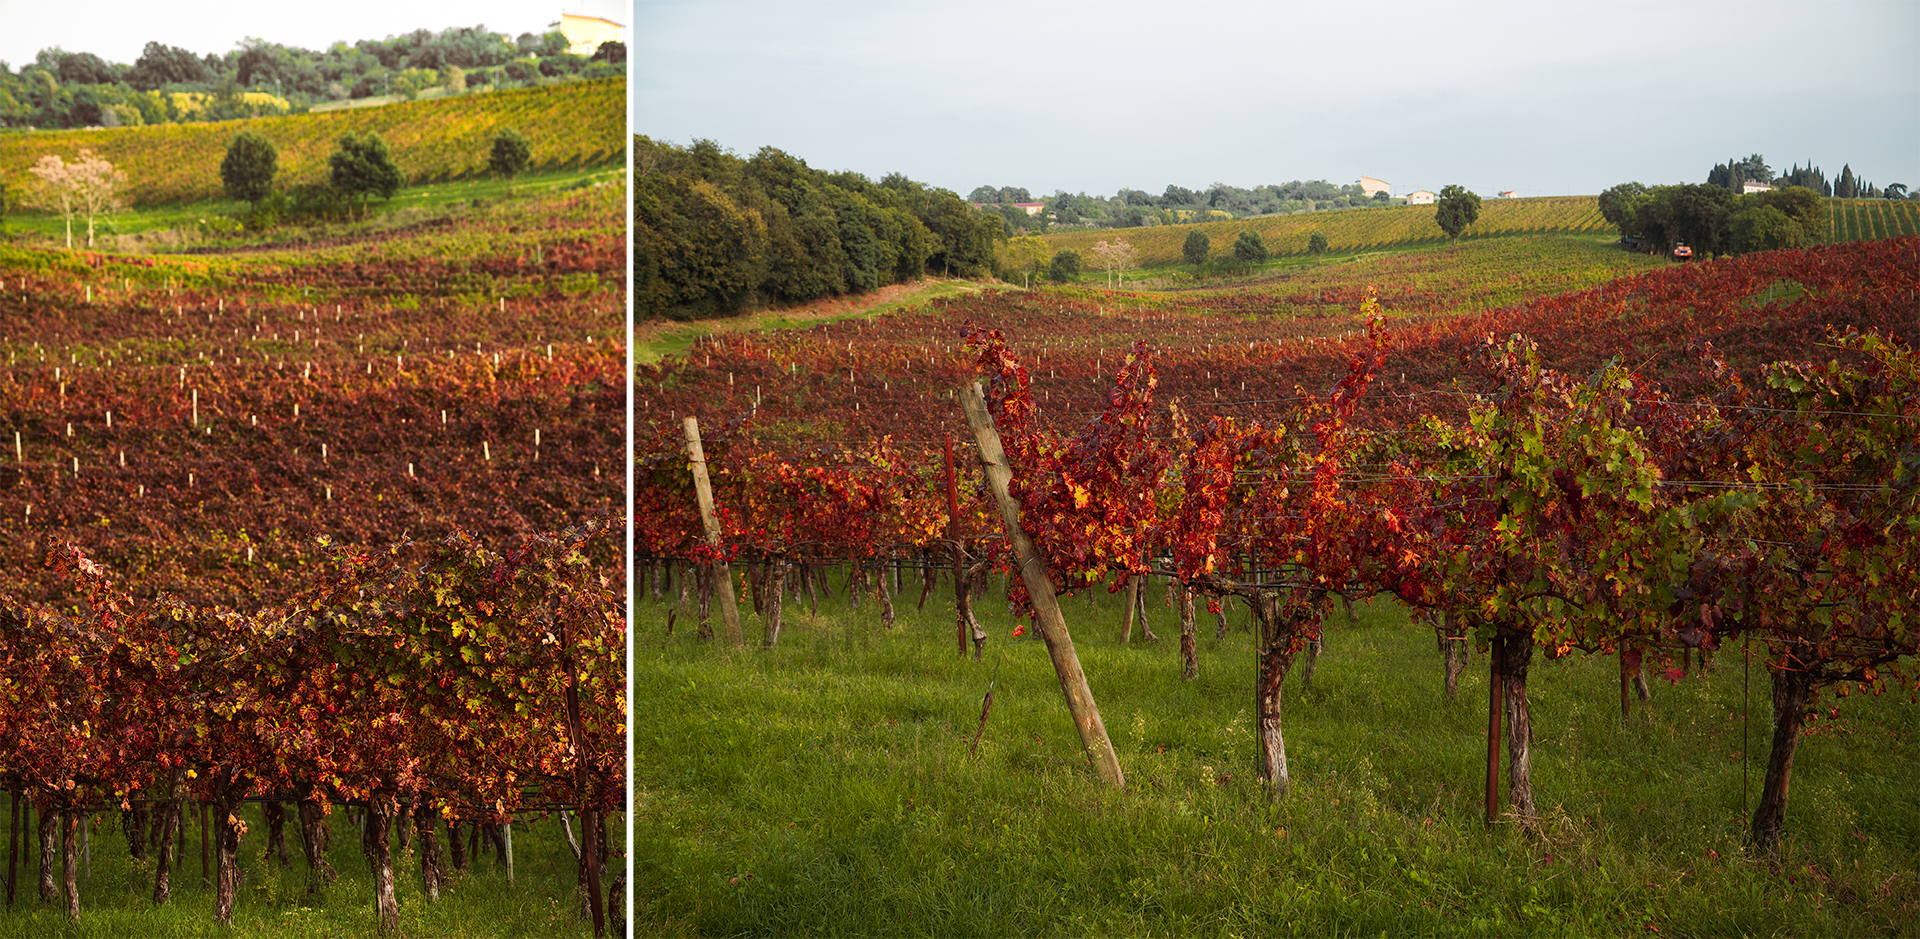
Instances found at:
x=1494 y=681
x=1046 y=607
x=722 y=577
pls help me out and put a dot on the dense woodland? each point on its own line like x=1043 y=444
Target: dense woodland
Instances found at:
x=714 y=234
x=167 y=84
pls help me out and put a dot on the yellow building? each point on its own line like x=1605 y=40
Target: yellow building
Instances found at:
x=586 y=33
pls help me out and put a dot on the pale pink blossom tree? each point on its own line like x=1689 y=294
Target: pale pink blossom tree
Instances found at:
x=85 y=186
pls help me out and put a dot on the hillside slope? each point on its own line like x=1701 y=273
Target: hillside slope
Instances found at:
x=573 y=124
x=1350 y=229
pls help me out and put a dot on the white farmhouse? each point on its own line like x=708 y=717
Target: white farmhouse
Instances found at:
x=1420 y=197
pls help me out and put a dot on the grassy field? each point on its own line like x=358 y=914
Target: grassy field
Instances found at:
x=116 y=892
x=826 y=787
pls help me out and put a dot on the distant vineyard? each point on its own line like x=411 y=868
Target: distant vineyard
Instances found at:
x=1870 y=219
x=1351 y=229
x=574 y=124
x=195 y=423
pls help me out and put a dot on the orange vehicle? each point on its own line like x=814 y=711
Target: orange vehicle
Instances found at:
x=1682 y=253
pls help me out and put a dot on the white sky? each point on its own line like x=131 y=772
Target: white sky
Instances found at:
x=1543 y=98
x=116 y=30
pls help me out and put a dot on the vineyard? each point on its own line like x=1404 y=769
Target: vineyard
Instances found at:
x=336 y=527
x=1642 y=471
x=1353 y=229
x=574 y=124
x=1868 y=219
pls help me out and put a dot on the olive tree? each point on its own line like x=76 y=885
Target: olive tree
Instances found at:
x=1250 y=247
x=511 y=154
x=1065 y=267
x=249 y=167
x=363 y=167
x=1457 y=208
x=1196 y=247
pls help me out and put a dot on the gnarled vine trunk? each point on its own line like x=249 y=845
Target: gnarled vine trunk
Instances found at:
x=776 y=599
x=1792 y=690
x=49 y=855
x=1452 y=640
x=314 y=835
x=1515 y=659
x=168 y=846
x=70 y=860
x=228 y=827
x=1189 y=660
x=426 y=823
x=380 y=812
x=1283 y=630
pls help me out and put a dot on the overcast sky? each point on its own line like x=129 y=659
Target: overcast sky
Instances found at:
x=116 y=30
x=1541 y=98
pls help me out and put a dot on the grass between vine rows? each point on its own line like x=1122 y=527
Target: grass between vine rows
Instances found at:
x=825 y=787
x=116 y=896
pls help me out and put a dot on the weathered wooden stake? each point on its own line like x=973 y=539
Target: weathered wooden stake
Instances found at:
x=1046 y=608
x=722 y=577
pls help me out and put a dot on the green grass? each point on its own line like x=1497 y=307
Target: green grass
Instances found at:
x=174 y=225
x=825 y=788
x=116 y=895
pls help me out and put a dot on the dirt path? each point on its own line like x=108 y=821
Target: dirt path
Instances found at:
x=652 y=331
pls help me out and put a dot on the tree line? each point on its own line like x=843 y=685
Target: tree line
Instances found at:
x=714 y=234
x=1177 y=205
x=1735 y=173
x=1714 y=220
x=171 y=85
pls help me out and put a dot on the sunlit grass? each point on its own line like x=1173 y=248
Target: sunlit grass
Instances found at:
x=825 y=787
x=116 y=891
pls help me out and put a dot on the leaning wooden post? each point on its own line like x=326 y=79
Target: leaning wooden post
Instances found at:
x=722 y=576
x=1046 y=608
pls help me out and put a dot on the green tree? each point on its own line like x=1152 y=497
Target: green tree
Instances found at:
x=1457 y=208
x=511 y=154
x=1617 y=206
x=1065 y=267
x=1250 y=247
x=1317 y=242
x=1763 y=228
x=249 y=167
x=1026 y=254
x=363 y=167
x=1196 y=247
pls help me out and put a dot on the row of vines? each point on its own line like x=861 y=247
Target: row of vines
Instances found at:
x=1867 y=219
x=463 y=683
x=336 y=525
x=1689 y=496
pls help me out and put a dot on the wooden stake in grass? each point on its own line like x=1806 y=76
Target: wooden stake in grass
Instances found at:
x=1046 y=607
x=722 y=577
